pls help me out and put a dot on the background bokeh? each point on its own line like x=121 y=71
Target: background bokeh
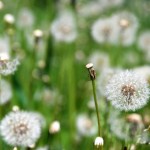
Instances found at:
x=52 y=79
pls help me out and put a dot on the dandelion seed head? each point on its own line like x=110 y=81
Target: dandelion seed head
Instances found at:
x=20 y=128
x=127 y=91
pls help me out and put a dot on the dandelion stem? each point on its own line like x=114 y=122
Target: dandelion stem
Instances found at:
x=92 y=77
x=96 y=106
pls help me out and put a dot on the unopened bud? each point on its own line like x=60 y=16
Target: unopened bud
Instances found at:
x=99 y=142
x=54 y=127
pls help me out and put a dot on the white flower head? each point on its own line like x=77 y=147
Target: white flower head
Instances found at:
x=63 y=28
x=127 y=91
x=144 y=41
x=20 y=128
x=5 y=92
x=98 y=142
x=86 y=125
x=8 y=66
x=25 y=19
x=104 y=30
x=100 y=60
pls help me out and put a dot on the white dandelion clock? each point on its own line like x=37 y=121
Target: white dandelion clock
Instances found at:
x=127 y=91
x=127 y=23
x=8 y=66
x=5 y=92
x=20 y=128
x=105 y=30
x=63 y=28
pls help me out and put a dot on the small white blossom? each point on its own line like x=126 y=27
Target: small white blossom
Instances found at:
x=63 y=28
x=127 y=91
x=86 y=125
x=99 y=142
x=5 y=92
x=20 y=128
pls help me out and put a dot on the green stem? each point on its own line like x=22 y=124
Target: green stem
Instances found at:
x=96 y=106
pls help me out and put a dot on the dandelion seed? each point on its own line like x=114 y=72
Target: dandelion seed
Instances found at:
x=127 y=91
x=20 y=128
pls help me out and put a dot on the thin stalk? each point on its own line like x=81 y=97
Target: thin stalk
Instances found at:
x=96 y=106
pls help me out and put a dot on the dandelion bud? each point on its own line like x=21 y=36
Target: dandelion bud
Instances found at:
x=9 y=19
x=99 y=142
x=54 y=127
x=15 y=148
x=134 y=118
x=15 y=108
x=124 y=23
x=37 y=35
x=91 y=70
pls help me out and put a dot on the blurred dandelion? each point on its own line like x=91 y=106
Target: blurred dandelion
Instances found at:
x=63 y=28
